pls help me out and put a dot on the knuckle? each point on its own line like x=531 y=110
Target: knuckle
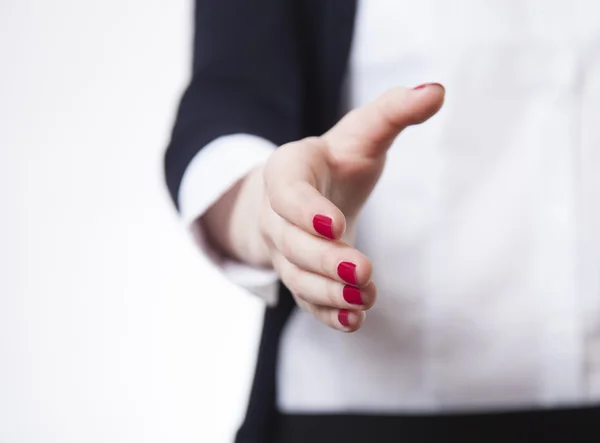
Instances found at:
x=275 y=195
x=272 y=168
x=278 y=265
x=269 y=174
x=291 y=277
x=313 y=141
x=333 y=292
x=286 y=244
x=314 y=144
x=325 y=263
x=275 y=198
x=264 y=224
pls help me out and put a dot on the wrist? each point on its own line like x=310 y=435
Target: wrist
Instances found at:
x=250 y=246
x=232 y=223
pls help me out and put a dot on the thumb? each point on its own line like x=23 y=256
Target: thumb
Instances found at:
x=369 y=131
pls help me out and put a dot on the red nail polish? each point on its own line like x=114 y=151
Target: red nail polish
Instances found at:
x=343 y=317
x=424 y=85
x=324 y=226
x=352 y=295
x=347 y=272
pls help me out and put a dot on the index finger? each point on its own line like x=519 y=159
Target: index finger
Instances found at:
x=291 y=181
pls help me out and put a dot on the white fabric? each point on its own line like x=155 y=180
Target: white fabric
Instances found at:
x=210 y=174
x=484 y=230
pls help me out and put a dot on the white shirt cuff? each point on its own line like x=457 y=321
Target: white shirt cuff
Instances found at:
x=210 y=174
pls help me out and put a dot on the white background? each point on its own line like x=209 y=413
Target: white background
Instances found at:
x=112 y=328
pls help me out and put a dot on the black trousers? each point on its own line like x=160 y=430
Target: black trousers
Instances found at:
x=560 y=425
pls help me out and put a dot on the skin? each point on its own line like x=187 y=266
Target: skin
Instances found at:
x=266 y=219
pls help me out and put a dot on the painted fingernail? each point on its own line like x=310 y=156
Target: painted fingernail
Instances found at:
x=352 y=295
x=347 y=272
x=425 y=85
x=343 y=317
x=324 y=226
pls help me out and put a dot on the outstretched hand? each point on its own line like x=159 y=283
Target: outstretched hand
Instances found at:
x=311 y=192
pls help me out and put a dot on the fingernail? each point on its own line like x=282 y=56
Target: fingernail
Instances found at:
x=425 y=85
x=343 y=317
x=347 y=272
x=324 y=226
x=352 y=295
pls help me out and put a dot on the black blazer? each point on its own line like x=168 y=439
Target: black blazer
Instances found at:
x=270 y=68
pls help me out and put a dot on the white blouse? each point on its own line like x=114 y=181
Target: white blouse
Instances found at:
x=484 y=229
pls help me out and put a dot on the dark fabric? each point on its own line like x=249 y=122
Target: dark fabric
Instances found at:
x=261 y=414
x=270 y=68
x=564 y=426
x=326 y=35
x=247 y=78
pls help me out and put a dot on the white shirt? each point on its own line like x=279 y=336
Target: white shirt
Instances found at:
x=484 y=229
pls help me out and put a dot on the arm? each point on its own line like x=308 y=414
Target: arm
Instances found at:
x=291 y=210
x=246 y=79
x=243 y=99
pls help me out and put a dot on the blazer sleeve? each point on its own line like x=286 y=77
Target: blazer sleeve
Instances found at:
x=244 y=99
x=247 y=78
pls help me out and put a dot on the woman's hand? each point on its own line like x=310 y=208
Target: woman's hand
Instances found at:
x=296 y=214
